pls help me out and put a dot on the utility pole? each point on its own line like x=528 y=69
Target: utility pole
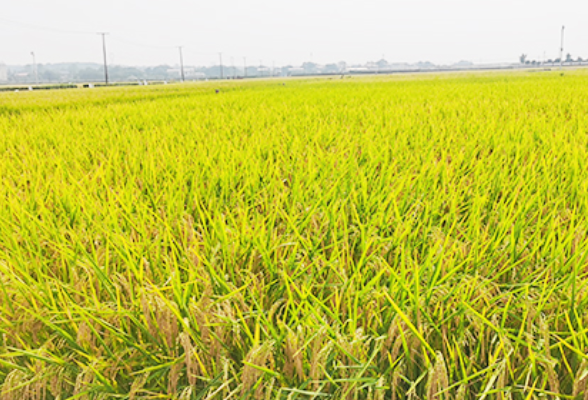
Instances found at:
x=104 y=53
x=35 y=68
x=220 y=57
x=245 y=66
x=562 y=47
x=181 y=63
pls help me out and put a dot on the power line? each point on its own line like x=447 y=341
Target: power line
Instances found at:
x=46 y=28
x=122 y=39
x=133 y=43
x=114 y=36
x=76 y=32
x=119 y=38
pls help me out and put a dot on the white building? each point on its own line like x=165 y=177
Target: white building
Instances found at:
x=189 y=73
x=3 y=73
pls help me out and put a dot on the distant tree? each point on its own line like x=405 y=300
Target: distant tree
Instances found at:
x=119 y=73
x=549 y=61
x=90 y=74
x=527 y=62
x=579 y=59
x=382 y=63
x=49 y=76
x=331 y=68
x=309 y=66
x=215 y=71
x=557 y=60
x=569 y=58
x=158 y=72
x=523 y=58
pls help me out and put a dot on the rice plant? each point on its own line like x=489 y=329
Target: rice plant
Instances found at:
x=417 y=237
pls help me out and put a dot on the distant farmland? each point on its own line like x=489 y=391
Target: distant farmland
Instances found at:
x=418 y=237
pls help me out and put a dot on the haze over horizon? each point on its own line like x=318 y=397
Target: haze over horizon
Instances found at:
x=280 y=32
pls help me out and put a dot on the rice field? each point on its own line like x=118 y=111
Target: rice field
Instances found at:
x=411 y=237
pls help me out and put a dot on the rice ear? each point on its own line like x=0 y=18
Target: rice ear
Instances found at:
x=581 y=380
x=192 y=367
x=438 y=379
x=258 y=356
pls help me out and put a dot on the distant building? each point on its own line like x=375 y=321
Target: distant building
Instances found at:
x=294 y=71
x=3 y=73
x=189 y=73
x=21 y=77
x=358 y=70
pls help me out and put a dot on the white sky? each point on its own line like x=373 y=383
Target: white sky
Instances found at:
x=291 y=32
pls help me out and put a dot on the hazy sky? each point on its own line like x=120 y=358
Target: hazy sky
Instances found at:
x=290 y=32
